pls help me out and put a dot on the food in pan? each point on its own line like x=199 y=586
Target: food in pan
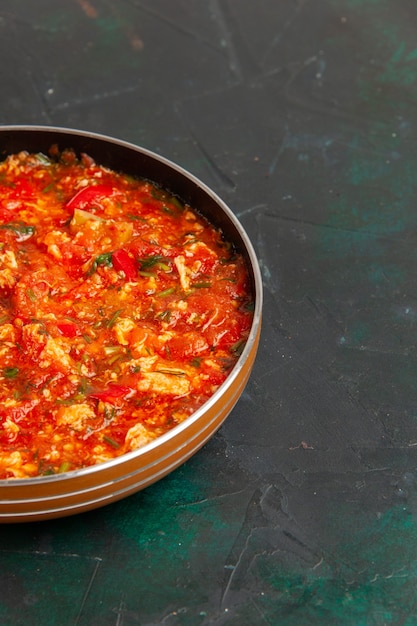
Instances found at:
x=121 y=312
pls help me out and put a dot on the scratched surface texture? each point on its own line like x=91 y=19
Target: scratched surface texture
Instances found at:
x=302 y=115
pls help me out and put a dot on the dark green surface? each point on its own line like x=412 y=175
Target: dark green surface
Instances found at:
x=302 y=115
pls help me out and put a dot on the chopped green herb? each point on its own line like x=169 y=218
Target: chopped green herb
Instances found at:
x=165 y=316
x=43 y=159
x=237 y=348
x=64 y=467
x=114 y=353
x=177 y=203
x=201 y=285
x=226 y=260
x=10 y=372
x=111 y=442
x=65 y=401
x=42 y=330
x=47 y=382
x=166 y=292
x=132 y=216
x=48 y=188
x=191 y=240
x=173 y=372
x=150 y=261
x=111 y=322
x=21 y=230
x=114 y=358
x=83 y=387
x=77 y=397
x=101 y=260
x=109 y=350
x=31 y=295
x=109 y=414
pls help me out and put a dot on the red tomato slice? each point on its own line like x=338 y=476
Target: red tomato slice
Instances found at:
x=111 y=393
x=88 y=195
x=68 y=329
x=122 y=261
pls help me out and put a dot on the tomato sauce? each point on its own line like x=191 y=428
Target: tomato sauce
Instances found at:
x=121 y=312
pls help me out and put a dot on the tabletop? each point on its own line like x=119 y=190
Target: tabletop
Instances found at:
x=301 y=115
